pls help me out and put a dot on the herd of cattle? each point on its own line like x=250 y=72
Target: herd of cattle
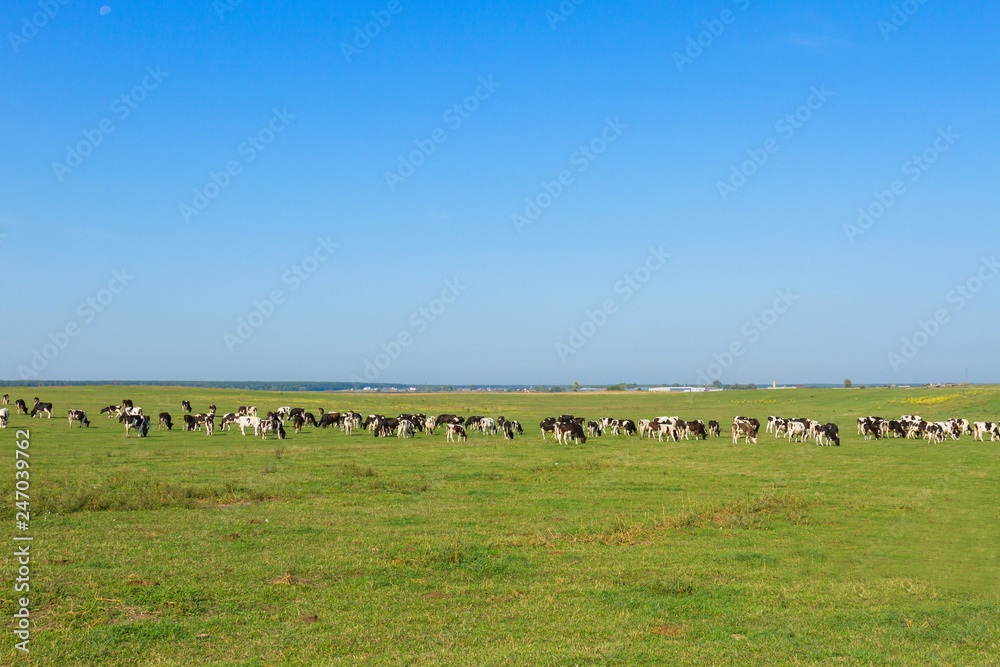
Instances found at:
x=565 y=429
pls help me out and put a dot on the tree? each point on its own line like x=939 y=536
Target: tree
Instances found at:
x=717 y=384
x=615 y=387
x=576 y=386
x=848 y=384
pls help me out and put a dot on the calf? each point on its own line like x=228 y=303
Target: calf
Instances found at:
x=139 y=423
x=228 y=419
x=273 y=425
x=455 y=432
x=42 y=407
x=78 y=416
x=745 y=429
x=570 y=431
x=20 y=406
x=4 y=416
x=713 y=428
x=165 y=420
x=186 y=406
x=826 y=434
x=979 y=429
x=298 y=421
x=112 y=411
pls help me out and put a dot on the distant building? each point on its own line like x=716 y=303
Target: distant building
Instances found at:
x=682 y=389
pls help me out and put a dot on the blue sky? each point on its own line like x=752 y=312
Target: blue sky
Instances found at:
x=267 y=159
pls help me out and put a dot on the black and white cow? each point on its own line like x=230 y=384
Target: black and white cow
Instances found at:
x=273 y=425
x=227 y=421
x=979 y=429
x=78 y=416
x=165 y=420
x=20 y=407
x=6 y=399
x=828 y=434
x=139 y=423
x=566 y=431
x=186 y=406
x=713 y=428
x=41 y=407
x=745 y=428
x=112 y=411
x=4 y=417
x=455 y=432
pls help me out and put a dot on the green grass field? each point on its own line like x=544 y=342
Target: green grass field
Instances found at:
x=325 y=549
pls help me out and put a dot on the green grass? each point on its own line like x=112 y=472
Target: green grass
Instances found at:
x=181 y=549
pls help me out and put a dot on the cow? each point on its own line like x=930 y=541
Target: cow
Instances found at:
x=871 y=428
x=547 y=425
x=566 y=431
x=472 y=422
x=165 y=420
x=330 y=419
x=112 y=411
x=745 y=429
x=593 y=428
x=6 y=399
x=40 y=408
x=508 y=430
x=20 y=407
x=78 y=416
x=298 y=421
x=190 y=422
x=132 y=410
x=186 y=406
x=210 y=424
x=273 y=425
x=487 y=425
x=4 y=417
x=404 y=429
x=430 y=424
x=243 y=422
x=697 y=428
x=828 y=433
x=455 y=432
x=713 y=428
x=283 y=413
x=126 y=403
x=979 y=429
x=449 y=419
x=138 y=422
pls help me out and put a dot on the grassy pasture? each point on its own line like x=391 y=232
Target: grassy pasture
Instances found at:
x=325 y=549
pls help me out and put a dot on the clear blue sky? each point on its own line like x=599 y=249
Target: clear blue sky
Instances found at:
x=312 y=121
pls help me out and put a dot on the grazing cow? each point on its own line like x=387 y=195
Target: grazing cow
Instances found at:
x=186 y=406
x=517 y=427
x=771 y=423
x=78 y=416
x=508 y=430
x=745 y=429
x=449 y=419
x=547 y=425
x=273 y=425
x=404 y=429
x=210 y=424
x=594 y=429
x=487 y=425
x=347 y=425
x=6 y=399
x=228 y=419
x=796 y=429
x=112 y=411
x=472 y=422
x=330 y=419
x=42 y=407
x=165 y=420
x=871 y=428
x=566 y=431
x=190 y=422
x=430 y=424
x=455 y=432
x=284 y=413
x=4 y=416
x=298 y=421
x=697 y=428
x=713 y=428
x=138 y=422
x=20 y=406
x=828 y=433
x=934 y=433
